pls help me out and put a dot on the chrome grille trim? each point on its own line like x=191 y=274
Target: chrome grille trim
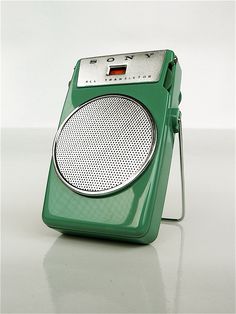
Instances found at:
x=112 y=152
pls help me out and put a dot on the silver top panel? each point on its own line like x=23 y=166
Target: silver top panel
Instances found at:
x=139 y=67
x=104 y=145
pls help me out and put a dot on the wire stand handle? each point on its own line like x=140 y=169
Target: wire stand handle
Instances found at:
x=181 y=161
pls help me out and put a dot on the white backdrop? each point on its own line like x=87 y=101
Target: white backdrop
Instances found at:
x=47 y=273
x=41 y=42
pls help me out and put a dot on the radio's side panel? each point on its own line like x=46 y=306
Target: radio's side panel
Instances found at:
x=165 y=157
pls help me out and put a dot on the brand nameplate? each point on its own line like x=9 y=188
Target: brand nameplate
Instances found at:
x=121 y=69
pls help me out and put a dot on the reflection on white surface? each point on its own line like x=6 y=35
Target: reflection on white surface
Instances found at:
x=188 y=269
x=97 y=276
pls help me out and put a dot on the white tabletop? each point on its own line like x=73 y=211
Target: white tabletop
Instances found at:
x=188 y=269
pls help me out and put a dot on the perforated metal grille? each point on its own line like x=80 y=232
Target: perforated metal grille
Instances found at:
x=104 y=144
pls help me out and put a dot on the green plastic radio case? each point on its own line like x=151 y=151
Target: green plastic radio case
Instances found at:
x=133 y=213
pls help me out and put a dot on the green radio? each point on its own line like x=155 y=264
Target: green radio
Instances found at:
x=112 y=151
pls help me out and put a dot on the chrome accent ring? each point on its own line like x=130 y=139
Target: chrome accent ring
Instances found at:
x=104 y=145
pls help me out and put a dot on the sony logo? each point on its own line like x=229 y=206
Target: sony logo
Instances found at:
x=126 y=57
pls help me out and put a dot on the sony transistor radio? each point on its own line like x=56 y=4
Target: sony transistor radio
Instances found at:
x=112 y=151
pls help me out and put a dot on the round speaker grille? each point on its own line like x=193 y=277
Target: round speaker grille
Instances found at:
x=104 y=144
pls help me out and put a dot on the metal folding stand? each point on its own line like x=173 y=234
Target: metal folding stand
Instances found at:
x=181 y=160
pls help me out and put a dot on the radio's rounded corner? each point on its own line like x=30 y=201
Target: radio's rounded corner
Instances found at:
x=46 y=217
x=147 y=238
x=150 y=236
x=145 y=233
x=77 y=65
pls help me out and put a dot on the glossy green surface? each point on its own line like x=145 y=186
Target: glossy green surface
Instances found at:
x=133 y=213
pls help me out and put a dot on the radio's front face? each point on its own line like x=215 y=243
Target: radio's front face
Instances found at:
x=105 y=143
x=129 y=68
